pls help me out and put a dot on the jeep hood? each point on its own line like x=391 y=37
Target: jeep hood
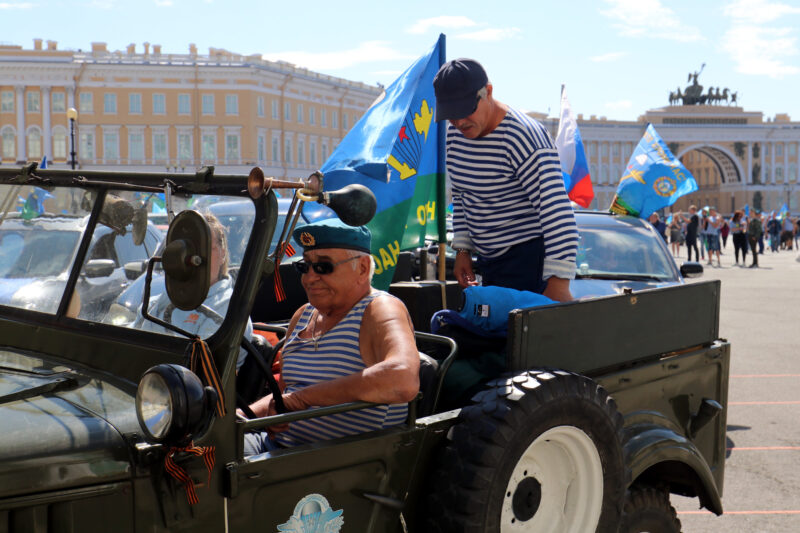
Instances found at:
x=60 y=426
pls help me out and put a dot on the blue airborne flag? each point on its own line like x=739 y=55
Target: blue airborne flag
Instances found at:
x=654 y=178
x=394 y=151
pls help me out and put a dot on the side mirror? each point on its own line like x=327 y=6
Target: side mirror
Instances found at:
x=187 y=260
x=134 y=269
x=690 y=269
x=99 y=268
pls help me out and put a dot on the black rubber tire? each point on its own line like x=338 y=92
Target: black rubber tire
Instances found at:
x=647 y=510
x=490 y=437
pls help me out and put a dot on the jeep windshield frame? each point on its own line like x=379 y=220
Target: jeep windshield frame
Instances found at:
x=121 y=351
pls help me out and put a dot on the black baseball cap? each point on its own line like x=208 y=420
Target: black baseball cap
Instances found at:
x=456 y=86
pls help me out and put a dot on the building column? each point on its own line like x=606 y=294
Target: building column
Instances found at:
x=748 y=178
x=772 y=163
x=47 y=134
x=70 y=96
x=21 y=139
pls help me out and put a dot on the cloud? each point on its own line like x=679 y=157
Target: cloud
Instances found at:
x=23 y=5
x=489 y=34
x=761 y=51
x=607 y=58
x=648 y=18
x=367 y=52
x=619 y=105
x=758 y=11
x=449 y=22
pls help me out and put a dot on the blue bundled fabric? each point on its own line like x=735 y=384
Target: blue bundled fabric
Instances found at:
x=485 y=309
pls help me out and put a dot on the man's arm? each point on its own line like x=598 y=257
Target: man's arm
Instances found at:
x=390 y=353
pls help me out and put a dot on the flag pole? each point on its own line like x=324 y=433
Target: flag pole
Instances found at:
x=441 y=169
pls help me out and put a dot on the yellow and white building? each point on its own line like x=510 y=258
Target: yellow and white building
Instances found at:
x=145 y=110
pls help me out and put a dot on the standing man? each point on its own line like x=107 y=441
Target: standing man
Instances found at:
x=660 y=226
x=691 y=232
x=509 y=202
x=754 y=233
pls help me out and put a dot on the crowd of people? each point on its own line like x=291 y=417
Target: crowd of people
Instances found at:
x=706 y=233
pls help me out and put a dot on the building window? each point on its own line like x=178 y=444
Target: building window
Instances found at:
x=779 y=150
x=231 y=147
x=159 y=104
x=34 y=102
x=208 y=104
x=185 y=146
x=9 y=144
x=345 y=126
x=260 y=106
x=160 y=146
x=779 y=173
x=312 y=116
x=59 y=143
x=85 y=103
x=7 y=102
x=209 y=147
x=312 y=155
x=604 y=175
x=110 y=104
x=301 y=156
x=792 y=149
x=792 y=173
x=275 y=110
x=86 y=146
x=276 y=153
x=287 y=151
x=59 y=105
x=323 y=117
x=604 y=149
x=300 y=113
x=287 y=111
x=262 y=148
x=34 y=144
x=136 y=146
x=593 y=149
x=231 y=104
x=324 y=152
x=334 y=119
x=184 y=104
x=110 y=146
x=135 y=104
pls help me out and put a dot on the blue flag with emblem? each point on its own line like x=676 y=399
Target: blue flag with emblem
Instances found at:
x=653 y=179
x=394 y=151
x=784 y=212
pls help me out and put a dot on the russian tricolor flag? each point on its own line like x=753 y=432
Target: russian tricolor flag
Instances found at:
x=573 y=157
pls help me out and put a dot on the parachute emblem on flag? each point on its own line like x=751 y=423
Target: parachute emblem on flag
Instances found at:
x=409 y=148
x=665 y=186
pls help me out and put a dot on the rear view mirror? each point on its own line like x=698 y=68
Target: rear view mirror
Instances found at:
x=690 y=269
x=134 y=269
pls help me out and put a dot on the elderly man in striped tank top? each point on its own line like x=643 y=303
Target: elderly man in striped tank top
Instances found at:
x=349 y=343
x=509 y=202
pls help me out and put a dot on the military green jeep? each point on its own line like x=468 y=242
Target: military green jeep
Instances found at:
x=113 y=418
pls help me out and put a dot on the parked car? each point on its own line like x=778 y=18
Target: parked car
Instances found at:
x=618 y=252
x=36 y=256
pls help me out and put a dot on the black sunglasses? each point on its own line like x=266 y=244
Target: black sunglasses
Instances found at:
x=321 y=267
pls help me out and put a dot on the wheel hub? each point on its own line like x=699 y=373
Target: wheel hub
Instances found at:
x=526 y=499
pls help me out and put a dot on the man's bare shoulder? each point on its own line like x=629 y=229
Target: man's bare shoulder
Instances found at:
x=386 y=307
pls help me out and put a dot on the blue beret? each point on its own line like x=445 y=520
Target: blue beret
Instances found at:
x=333 y=233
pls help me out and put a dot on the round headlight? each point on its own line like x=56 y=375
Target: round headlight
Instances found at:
x=172 y=404
x=154 y=405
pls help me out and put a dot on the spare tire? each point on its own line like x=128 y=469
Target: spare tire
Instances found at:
x=537 y=451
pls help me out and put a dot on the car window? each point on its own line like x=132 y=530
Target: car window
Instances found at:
x=40 y=230
x=622 y=250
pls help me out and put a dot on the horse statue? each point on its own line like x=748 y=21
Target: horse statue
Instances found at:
x=733 y=97
x=725 y=95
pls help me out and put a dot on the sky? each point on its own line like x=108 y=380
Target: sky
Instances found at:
x=617 y=58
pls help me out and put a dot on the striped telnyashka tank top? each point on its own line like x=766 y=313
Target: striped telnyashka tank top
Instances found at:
x=332 y=355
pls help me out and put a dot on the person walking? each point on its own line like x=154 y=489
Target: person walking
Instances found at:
x=692 y=223
x=773 y=232
x=787 y=224
x=739 y=236
x=797 y=233
x=675 y=236
x=509 y=201
x=713 y=223
x=755 y=232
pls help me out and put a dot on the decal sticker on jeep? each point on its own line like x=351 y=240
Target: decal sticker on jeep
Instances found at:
x=313 y=514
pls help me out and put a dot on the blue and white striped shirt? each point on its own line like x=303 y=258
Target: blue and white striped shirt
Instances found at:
x=507 y=189
x=334 y=354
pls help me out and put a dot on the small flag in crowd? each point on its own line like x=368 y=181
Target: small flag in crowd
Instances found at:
x=653 y=179
x=574 y=167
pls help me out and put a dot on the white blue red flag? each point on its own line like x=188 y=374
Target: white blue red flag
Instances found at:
x=574 y=167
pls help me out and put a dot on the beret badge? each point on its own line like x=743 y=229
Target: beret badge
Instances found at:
x=306 y=239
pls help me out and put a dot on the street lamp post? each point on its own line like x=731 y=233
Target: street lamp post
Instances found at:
x=72 y=115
